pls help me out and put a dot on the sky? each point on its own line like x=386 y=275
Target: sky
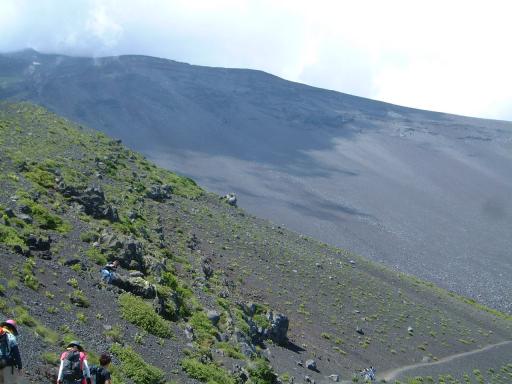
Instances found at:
x=450 y=56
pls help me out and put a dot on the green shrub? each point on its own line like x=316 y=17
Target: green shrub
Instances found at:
x=138 y=312
x=134 y=366
x=261 y=320
x=72 y=282
x=204 y=331
x=210 y=373
x=230 y=350
x=23 y=317
x=115 y=334
x=11 y=237
x=43 y=178
x=89 y=236
x=182 y=296
x=78 y=298
x=44 y=218
x=28 y=275
x=96 y=256
x=260 y=372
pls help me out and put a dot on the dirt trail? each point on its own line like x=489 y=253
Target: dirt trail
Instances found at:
x=393 y=374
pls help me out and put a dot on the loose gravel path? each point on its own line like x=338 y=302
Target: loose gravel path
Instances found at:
x=467 y=361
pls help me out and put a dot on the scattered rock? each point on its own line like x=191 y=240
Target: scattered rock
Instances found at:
x=189 y=332
x=247 y=349
x=25 y=209
x=38 y=244
x=71 y=262
x=231 y=199
x=311 y=364
x=360 y=330
x=213 y=316
x=207 y=268
x=193 y=242
x=335 y=378
x=9 y=213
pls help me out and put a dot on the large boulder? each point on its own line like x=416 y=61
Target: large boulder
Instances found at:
x=277 y=332
x=136 y=285
x=132 y=256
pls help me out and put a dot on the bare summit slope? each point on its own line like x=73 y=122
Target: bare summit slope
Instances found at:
x=425 y=192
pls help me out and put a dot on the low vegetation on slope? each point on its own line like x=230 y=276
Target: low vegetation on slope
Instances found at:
x=204 y=292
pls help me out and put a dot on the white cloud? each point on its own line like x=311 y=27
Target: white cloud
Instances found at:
x=449 y=56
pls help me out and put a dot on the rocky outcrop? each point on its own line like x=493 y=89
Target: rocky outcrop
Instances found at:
x=277 y=332
x=159 y=192
x=136 y=285
x=94 y=204
x=276 y=328
x=127 y=250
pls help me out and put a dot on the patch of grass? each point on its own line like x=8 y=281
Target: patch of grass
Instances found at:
x=96 y=256
x=42 y=177
x=28 y=276
x=115 y=334
x=73 y=282
x=204 y=331
x=261 y=372
x=89 y=236
x=78 y=298
x=11 y=237
x=48 y=335
x=138 y=312
x=134 y=366
x=44 y=218
x=210 y=372
x=230 y=350
x=50 y=358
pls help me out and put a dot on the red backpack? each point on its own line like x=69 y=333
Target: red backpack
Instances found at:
x=72 y=366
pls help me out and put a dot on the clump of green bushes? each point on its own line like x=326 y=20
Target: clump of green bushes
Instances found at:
x=134 y=366
x=208 y=372
x=138 y=312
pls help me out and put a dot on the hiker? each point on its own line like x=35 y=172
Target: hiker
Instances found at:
x=9 y=353
x=101 y=374
x=368 y=374
x=73 y=365
x=108 y=271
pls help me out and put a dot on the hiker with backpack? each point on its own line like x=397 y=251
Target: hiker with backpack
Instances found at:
x=108 y=271
x=9 y=353
x=73 y=365
x=101 y=374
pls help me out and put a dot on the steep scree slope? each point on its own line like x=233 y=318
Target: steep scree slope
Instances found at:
x=211 y=287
